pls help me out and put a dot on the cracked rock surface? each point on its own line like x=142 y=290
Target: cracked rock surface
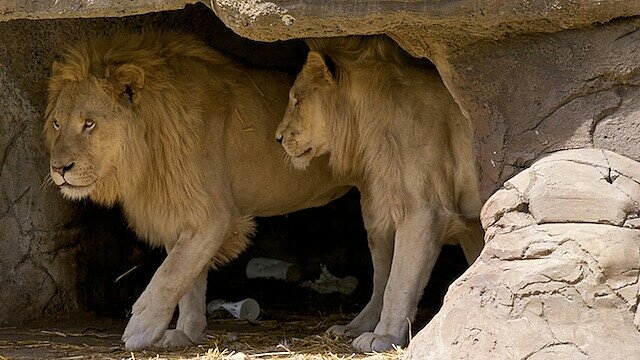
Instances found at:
x=558 y=278
x=37 y=272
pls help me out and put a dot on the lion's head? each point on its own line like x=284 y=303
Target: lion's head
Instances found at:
x=303 y=131
x=89 y=114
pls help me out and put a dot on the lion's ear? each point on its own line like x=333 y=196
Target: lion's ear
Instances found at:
x=128 y=80
x=317 y=66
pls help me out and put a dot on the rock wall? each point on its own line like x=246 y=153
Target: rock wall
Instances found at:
x=37 y=255
x=534 y=94
x=558 y=277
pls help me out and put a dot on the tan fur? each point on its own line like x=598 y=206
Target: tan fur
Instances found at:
x=391 y=128
x=181 y=138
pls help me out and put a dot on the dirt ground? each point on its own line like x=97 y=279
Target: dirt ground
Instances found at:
x=291 y=325
x=280 y=335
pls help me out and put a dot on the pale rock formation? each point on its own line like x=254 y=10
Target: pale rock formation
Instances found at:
x=558 y=278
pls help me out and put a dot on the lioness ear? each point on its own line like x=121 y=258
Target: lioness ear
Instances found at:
x=316 y=66
x=128 y=80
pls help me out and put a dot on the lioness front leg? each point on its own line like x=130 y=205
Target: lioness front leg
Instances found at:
x=416 y=249
x=380 y=239
x=192 y=318
x=153 y=310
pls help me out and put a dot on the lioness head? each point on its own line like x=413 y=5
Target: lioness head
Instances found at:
x=303 y=131
x=89 y=114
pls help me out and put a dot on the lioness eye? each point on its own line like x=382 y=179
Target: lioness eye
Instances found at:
x=56 y=125
x=89 y=124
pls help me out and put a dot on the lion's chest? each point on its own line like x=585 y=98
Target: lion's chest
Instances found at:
x=154 y=225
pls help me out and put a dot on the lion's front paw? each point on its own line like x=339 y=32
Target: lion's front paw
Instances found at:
x=147 y=324
x=174 y=338
x=369 y=342
x=347 y=330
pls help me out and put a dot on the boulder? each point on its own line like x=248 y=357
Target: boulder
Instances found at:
x=558 y=277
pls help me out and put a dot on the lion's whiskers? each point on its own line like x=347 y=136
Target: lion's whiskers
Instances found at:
x=287 y=161
x=46 y=182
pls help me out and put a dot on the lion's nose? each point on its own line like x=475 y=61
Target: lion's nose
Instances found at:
x=279 y=138
x=62 y=169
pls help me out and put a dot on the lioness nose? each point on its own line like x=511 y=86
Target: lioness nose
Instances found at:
x=62 y=169
x=279 y=138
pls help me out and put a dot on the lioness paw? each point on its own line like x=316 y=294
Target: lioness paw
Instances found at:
x=174 y=338
x=371 y=342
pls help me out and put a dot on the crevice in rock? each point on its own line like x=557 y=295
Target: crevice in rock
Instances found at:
x=611 y=178
x=523 y=207
x=599 y=268
x=14 y=203
x=627 y=34
x=578 y=222
x=10 y=144
x=559 y=106
x=603 y=114
x=502 y=229
x=27 y=255
x=56 y=288
x=553 y=344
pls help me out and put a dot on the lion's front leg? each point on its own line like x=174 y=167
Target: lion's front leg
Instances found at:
x=416 y=249
x=192 y=319
x=153 y=310
x=380 y=237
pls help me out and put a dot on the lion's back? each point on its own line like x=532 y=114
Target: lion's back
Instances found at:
x=206 y=124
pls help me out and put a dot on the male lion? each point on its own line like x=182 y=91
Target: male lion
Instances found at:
x=391 y=128
x=182 y=138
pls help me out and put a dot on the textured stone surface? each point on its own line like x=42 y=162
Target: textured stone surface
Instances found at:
x=55 y=9
x=535 y=94
x=36 y=264
x=553 y=281
x=448 y=19
x=620 y=131
x=282 y=19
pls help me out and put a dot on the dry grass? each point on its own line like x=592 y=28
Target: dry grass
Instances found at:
x=297 y=338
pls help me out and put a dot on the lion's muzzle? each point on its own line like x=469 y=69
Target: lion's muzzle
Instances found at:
x=59 y=169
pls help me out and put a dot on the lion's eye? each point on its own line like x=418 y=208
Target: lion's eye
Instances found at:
x=89 y=124
x=56 y=125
